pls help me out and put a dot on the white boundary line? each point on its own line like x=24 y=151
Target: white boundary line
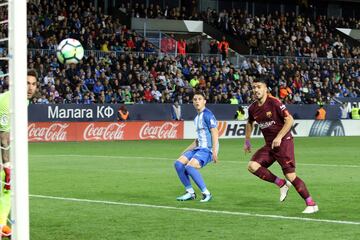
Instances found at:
x=196 y=210
x=160 y=158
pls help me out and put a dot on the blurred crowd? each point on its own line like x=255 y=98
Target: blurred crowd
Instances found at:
x=139 y=78
x=123 y=75
x=51 y=21
x=274 y=34
x=288 y=34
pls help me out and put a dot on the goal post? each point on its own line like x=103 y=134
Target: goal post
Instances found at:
x=18 y=111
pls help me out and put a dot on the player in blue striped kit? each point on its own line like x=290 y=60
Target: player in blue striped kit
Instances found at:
x=203 y=150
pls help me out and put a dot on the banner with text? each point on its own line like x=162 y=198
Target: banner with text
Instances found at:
x=153 y=130
x=104 y=131
x=300 y=128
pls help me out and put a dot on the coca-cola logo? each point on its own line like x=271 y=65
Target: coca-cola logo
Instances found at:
x=113 y=131
x=54 y=132
x=167 y=130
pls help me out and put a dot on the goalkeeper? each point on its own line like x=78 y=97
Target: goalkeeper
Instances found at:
x=5 y=164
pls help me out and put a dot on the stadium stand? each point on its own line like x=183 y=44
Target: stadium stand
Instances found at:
x=312 y=65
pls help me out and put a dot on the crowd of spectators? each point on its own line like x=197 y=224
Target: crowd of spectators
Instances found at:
x=274 y=34
x=288 y=34
x=122 y=76
x=51 y=21
x=136 y=78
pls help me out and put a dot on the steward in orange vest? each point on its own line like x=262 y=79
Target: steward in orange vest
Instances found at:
x=321 y=113
x=123 y=114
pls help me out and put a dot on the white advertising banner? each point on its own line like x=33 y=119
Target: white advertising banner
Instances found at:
x=301 y=128
x=351 y=127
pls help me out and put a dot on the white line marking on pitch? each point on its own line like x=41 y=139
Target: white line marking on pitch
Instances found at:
x=197 y=210
x=160 y=158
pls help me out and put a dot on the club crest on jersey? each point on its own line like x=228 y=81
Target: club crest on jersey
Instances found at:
x=269 y=114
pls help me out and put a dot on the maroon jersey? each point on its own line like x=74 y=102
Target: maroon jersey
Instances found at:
x=270 y=117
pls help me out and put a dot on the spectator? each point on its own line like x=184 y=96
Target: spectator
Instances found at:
x=194 y=82
x=148 y=97
x=320 y=113
x=123 y=114
x=297 y=98
x=98 y=88
x=285 y=92
x=213 y=46
x=234 y=100
x=176 y=111
x=156 y=94
x=224 y=47
x=344 y=111
x=181 y=47
x=240 y=114
x=355 y=112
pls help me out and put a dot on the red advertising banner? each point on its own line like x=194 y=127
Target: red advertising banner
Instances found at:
x=104 y=131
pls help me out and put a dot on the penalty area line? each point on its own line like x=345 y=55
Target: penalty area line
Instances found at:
x=196 y=210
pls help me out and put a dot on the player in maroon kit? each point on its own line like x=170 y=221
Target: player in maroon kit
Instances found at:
x=275 y=123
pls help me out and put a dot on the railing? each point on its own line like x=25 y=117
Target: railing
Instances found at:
x=234 y=58
x=238 y=59
x=102 y=54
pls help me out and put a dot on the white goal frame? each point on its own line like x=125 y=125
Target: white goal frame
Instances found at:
x=19 y=118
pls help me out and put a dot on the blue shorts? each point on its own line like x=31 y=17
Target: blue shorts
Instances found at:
x=203 y=155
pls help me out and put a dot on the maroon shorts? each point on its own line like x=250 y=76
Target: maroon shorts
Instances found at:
x=284 y=155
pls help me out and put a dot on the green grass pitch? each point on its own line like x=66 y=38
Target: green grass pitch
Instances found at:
x=115 y=176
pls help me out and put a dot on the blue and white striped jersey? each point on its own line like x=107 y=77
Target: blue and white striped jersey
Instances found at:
x=204 y=121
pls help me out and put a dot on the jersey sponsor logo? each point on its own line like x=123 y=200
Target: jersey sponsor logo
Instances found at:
x=113 y=131
x=264 y=125
x=4 y=120
x=53 y=132
x=167 y=130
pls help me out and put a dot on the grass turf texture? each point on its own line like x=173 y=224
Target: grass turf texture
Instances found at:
x=142 y=172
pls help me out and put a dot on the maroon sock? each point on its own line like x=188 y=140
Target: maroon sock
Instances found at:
x=300 y=188
x=265 y=174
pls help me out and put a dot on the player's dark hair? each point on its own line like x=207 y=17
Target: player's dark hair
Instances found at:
x=200 y=93
x=261 y=80
x=33 y=73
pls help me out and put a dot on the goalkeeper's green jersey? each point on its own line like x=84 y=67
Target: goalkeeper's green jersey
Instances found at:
x=5 y=112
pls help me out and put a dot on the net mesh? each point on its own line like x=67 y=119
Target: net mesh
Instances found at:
x=5 y=195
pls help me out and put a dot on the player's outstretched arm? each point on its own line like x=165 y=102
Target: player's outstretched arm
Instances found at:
x=248 y=131
x=289 y=121
x=214 y=139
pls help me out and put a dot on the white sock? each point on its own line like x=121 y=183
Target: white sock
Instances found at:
x=206 y=191
x=190 y=190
